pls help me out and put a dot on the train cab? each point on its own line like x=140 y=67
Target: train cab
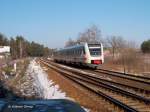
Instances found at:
x=94 y=54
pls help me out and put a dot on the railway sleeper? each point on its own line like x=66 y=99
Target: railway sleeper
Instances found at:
x=136 y=89
x=108 y=97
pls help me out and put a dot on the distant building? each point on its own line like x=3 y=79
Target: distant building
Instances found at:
x=4 y=51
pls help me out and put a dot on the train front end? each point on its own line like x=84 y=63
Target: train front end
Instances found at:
x=94 y=54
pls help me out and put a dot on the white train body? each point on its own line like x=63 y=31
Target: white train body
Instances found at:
x=83 y=54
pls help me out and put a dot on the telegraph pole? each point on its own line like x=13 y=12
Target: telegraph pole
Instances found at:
x=20 y=45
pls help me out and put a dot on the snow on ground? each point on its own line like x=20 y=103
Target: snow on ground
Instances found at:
x=43 y=85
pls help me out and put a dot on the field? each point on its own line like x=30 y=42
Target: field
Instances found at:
x=137 y=64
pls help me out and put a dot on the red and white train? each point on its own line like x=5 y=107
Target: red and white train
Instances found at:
x=86 y=54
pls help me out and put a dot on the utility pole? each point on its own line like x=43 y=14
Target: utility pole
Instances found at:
x=20 y=45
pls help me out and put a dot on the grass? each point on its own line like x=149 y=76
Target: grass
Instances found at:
x=21 y=69
x=132 y=64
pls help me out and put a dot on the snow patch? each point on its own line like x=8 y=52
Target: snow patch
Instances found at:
x=87 y=110
x=44 y=86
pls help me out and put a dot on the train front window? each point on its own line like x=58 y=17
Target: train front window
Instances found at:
x=95 y=51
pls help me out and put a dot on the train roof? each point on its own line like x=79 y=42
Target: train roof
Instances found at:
x=79 y=45
x=72 y=47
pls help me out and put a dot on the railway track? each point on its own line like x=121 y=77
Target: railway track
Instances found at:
x=135 y=78
x=142 y=79
x=127 y=74
x=136 y=84
x=138 y=90
x=125 y=100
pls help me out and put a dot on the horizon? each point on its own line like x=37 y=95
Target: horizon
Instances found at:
x=52 y=23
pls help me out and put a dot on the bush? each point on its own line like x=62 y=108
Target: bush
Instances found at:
x=145 y=46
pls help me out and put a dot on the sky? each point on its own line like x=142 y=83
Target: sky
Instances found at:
x=53 y=22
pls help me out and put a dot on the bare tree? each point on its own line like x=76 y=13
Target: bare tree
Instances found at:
x=116 y=44
x=124 y=52
x=91 y=34
x=70 y=42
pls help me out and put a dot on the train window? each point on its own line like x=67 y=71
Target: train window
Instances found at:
x=83 y=50
x=80 y=51
x=70 y=52
x=95 y=51
x=94 y=45
x=75 y=52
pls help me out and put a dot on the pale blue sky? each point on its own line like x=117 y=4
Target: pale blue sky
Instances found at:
x=52 y=22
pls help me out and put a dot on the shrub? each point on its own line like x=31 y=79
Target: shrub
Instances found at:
x=145 y=46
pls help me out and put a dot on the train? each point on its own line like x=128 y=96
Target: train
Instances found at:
x=83 y=54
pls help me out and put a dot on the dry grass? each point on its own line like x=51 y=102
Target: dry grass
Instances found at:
x=130 y=62
x=13 y=83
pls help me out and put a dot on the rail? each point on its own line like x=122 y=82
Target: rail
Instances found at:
x=85 y=78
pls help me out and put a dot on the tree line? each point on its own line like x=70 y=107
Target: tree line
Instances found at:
x=113 y=43
x=20 y=47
